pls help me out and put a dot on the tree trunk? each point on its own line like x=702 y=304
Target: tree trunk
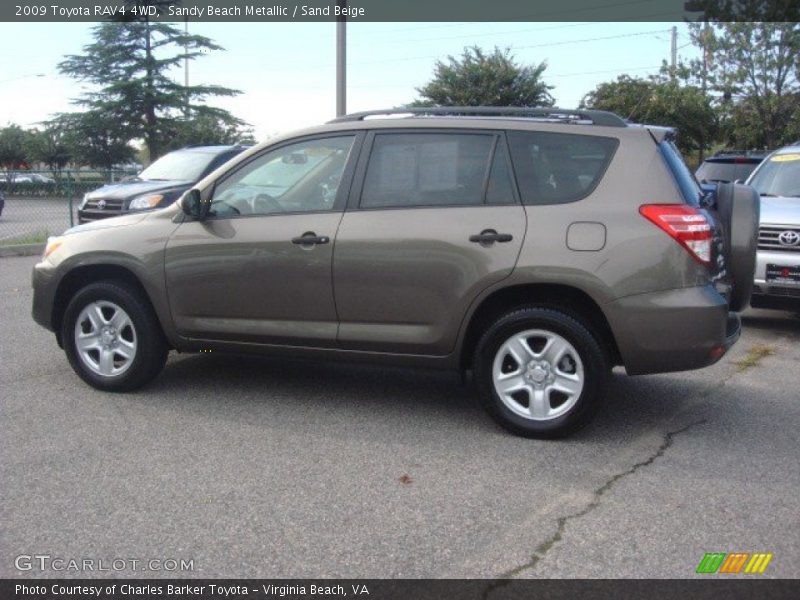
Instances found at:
x=151 y=132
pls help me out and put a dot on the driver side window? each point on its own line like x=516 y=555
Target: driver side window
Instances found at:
x=301 y=177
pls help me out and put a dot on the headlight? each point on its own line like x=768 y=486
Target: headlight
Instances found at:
x=145 y=202
x=85 y=200
x=53 y=244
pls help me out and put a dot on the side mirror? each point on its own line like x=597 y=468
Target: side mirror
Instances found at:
x=194 y=206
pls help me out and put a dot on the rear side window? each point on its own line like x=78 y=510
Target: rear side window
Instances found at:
x=427 y=169
x=690 y=189
x=554 y=168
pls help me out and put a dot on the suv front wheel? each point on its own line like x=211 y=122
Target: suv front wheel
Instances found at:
x=112 y=338
x=540 y=372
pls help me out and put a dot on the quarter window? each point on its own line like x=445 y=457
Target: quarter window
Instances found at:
x=301 y=177
x=499 y=190
x=427 y=169
x=553 y=168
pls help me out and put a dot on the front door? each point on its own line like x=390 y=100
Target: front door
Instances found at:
x=258 y=269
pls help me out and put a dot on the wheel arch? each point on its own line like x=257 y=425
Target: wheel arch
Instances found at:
x=564 y=298
x=80 y=276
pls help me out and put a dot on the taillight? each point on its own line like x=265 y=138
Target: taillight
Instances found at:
x=686 y=224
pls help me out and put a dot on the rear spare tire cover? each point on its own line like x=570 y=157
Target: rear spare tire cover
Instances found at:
x=739 y=209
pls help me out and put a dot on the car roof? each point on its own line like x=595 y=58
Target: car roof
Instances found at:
x=210 y=149
x=464 y=122
x=736 y=158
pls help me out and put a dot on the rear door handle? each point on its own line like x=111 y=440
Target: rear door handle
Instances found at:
x=310 y=238
x=490 y=236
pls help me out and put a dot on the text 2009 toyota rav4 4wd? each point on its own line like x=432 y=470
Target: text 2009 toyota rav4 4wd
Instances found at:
x=536 y=248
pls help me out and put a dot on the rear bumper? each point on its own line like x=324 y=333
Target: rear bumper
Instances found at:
x=673 y=330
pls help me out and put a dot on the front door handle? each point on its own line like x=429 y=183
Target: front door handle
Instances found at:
x=309 y=238
x=490 y=236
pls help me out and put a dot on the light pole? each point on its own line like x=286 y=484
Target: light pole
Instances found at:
x=341 y=60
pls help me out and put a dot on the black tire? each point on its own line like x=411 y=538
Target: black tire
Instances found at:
x=152 y=349
x=739 y=209
x=595 y=363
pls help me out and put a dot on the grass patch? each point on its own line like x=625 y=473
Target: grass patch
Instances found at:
x=754 y=356
x=34 y=237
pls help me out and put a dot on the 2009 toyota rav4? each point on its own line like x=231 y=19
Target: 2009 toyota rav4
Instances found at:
x=536 y=248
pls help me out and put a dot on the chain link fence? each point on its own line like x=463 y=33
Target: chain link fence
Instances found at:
x=38 y=204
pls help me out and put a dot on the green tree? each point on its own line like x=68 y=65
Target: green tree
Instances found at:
x=51 y=146
x=480 y=79
x=95 y=139
x=130 y=65
x=208 y=130
x=13 y=149
x=660 y=100
x=752 y=70
x=623 y=96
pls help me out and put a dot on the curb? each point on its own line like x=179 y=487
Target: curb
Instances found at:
x=21 y=250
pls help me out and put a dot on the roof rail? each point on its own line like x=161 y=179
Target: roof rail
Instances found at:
x=597 y=117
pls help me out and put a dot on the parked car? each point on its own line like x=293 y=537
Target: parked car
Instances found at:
x=729 y=165
x=777 y=278
x=534 y=248
x=23 y=182
x=25 y=177
x=158 y=185
x=33 y=178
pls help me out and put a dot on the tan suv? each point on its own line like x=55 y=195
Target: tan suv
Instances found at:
x=534 y=248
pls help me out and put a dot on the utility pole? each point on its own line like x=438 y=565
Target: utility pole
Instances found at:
x=704 y=82
x=186 y=64
x=674 y=52
x=341 y=60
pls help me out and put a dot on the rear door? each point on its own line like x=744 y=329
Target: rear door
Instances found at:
x=433 y=220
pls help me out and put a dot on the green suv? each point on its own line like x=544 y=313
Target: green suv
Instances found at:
x=533 y=248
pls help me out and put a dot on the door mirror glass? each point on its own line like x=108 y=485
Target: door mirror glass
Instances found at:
x=295 y=158
x=193 y=205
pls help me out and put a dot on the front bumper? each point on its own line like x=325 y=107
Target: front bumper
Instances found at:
x=88 y=215
x=673 y=330
x=44 y=293
x=770 y=294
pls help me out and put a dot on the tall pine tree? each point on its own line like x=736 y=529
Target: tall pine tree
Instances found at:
x=129 y=64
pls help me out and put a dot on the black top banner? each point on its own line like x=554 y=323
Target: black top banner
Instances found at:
x=397 y=10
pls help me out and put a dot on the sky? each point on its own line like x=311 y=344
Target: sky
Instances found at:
x=286 y=71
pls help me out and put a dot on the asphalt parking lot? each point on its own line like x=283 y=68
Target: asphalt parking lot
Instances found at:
x=281 y=468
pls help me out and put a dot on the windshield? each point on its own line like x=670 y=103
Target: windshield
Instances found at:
x=183 y=165
x=779 y=175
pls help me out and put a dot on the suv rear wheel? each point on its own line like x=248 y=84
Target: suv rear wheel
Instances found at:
x=112 y=338
x=540 y=372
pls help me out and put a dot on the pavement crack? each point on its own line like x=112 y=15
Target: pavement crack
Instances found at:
x=542 y=549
